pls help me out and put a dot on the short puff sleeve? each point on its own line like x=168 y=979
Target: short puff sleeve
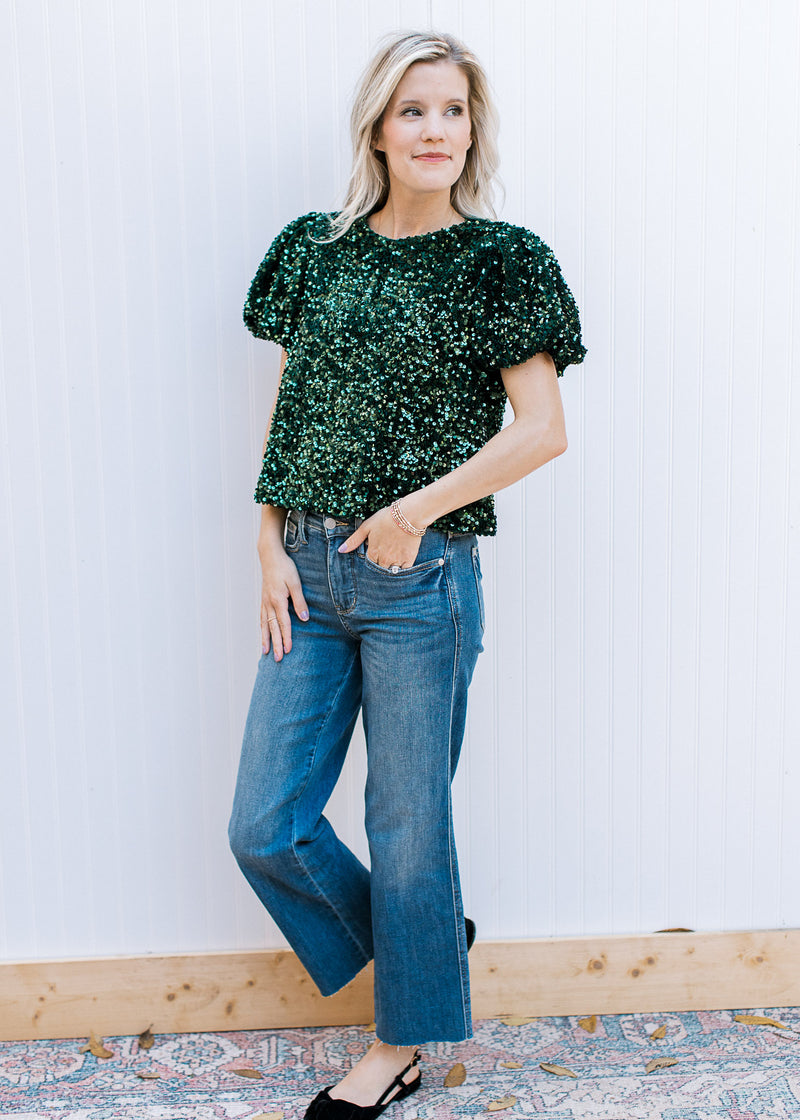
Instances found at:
x=273 y=308
x=530 y=308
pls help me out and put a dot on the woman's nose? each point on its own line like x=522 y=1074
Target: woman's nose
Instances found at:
x=432 y=128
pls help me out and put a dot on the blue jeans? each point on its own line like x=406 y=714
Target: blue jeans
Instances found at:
x=401 y=646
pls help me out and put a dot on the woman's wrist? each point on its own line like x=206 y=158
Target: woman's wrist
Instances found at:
x=418 y=509
x=402 y=521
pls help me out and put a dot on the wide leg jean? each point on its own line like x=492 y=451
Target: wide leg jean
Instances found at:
x=401 y=645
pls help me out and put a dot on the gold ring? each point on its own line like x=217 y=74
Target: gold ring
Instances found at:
x=272 y=618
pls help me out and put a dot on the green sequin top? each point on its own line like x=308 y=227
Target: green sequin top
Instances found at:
x=395 y=348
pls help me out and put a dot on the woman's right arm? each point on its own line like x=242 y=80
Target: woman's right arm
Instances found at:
x=279 y=579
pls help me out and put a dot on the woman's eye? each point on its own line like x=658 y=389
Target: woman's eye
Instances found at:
x=456 y=110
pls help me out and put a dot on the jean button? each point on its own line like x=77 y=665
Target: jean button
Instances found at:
x=330 y=523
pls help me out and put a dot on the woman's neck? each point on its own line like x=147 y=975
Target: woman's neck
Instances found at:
x=396 y=220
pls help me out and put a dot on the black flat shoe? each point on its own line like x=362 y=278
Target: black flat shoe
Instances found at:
x=326 y=1107
x=471 y=931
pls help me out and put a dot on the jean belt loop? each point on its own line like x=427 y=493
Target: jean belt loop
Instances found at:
x=301 y=525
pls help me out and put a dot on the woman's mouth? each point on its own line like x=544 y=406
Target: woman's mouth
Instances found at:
x=430 y=158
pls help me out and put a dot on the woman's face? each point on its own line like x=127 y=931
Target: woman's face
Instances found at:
x=425 y=128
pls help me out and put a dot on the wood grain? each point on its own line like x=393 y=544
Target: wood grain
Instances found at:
x=270 y=989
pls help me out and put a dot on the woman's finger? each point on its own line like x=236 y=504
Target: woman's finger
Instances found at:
x=281 y=635
x=298 y=601
x=355 y=539
x=281 y=631
x=266 y=634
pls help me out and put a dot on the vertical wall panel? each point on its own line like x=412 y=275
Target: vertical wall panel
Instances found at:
x=630 y=758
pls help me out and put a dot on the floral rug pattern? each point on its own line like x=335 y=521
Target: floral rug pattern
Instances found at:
x=722 y=1068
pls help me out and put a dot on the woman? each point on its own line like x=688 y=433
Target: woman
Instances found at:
x=406 y=321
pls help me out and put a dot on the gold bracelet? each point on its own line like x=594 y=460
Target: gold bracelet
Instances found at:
x=403 y=521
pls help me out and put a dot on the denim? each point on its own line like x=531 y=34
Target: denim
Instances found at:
x=401 y=646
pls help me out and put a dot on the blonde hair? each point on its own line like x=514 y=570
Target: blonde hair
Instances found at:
x=472 y=194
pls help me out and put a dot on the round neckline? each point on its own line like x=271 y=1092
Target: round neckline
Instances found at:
x=364 y=220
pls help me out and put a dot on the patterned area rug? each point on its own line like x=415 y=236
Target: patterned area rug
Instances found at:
x=722 y=1068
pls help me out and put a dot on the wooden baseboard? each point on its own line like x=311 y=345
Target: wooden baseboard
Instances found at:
x=270 y=989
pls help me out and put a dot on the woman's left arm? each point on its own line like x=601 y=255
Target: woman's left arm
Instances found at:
x=534 y=437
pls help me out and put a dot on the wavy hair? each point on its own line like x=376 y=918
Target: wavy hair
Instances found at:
x=473 y=193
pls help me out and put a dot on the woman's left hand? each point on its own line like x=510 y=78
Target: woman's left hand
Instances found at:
x=388 y=545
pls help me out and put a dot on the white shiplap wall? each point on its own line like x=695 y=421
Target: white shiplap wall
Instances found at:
x=632 y=760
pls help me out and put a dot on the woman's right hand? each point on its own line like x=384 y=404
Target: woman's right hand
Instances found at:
x=280 y=583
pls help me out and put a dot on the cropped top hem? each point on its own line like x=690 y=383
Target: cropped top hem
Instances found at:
x=478 y=518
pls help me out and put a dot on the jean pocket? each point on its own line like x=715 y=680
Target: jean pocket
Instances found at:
x=395 y=570
x=431 y=556
x=476 y=568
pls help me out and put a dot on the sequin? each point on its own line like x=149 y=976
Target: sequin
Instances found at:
x=394 y=355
